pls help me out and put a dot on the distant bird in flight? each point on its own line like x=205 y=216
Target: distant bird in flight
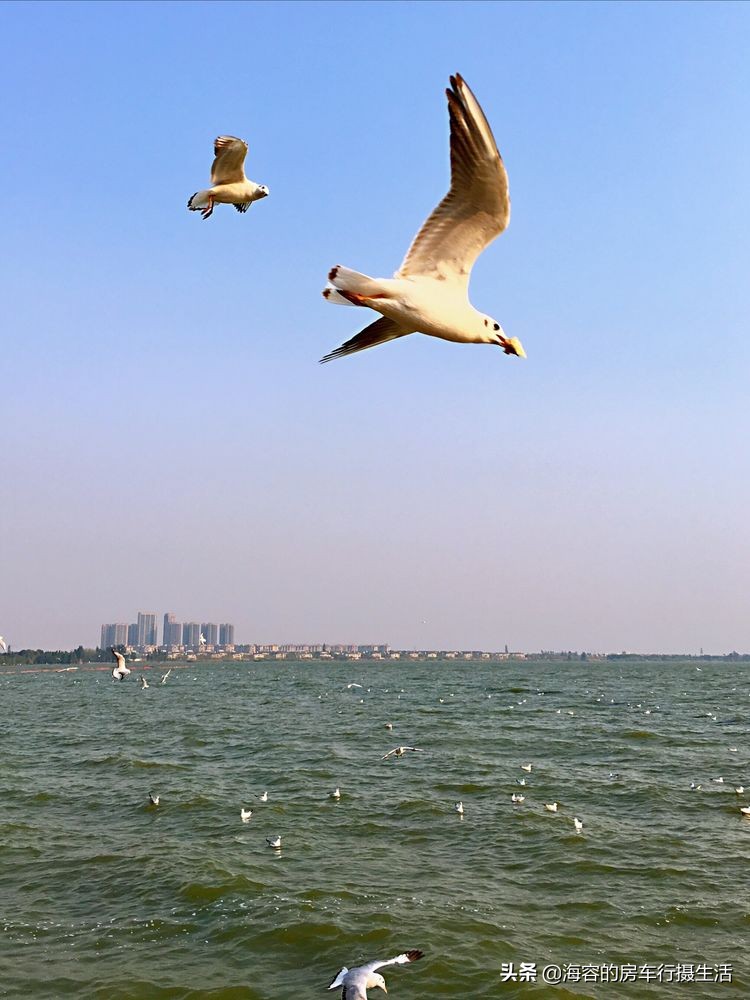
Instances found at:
x=430 y=291
x=121 y=670
x=144 y=683
x=165 y=677
x=230 y=183
x=356 y=982
x=400 y=751
x=3 y=645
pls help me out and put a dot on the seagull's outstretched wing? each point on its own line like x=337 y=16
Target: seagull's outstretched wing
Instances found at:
x=477 y=206
x=379 y=332
x=407 y=956
x=390 y=752
x=229 y=165
x=339 y=980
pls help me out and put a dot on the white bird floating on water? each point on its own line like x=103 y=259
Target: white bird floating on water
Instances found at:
x=274 y=842
x=352 y=685
x=245 y=814
x=153 y=799
x=264 y=797
x=121 y=669
x=551 y=807
x=336 y=793
x=740 y=789
x=517 y=798
x=694 y=787
x=718 y=781
x=400 y=751
x=144 y=683
x=389 y=725
x=527 y=767
x=230 y=183
x=459 y=807
x=521 y=781
x=577 y=824
x=165 y=676
x=745 y=810
x=356 y=982
x=429 y=292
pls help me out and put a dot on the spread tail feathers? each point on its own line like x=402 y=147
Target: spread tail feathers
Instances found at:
x=198 y=201
x=331 y=295
x=339 y=979
x=346 y=280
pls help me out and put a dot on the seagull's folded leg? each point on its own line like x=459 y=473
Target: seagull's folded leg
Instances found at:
x=208 y=210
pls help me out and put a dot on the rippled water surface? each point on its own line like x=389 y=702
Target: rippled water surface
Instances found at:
x=102 y=896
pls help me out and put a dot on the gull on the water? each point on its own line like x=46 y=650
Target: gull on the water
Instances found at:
x=517 y=798
x=459 y=807
x=551 y=807
x=740 y=789
x=264 y=797
x=356 y=982
x=245 y=814
x=400 y=751
x=165 y=676
x=745 y=810
x=336 y=793
x=121 y=670
x=718 y=781
x=577 y=824
x=694 y=787
x=230 y=185
x=430 y=291
x=389 y=725
x=352 y=685
x=153 y=799
x=527 y=767
x=274 y=842
x=144 y=683
x=521 y=781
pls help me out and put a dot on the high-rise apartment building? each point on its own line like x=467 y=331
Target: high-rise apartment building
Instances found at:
x=172 y=635
x=226 y=635
x=146 y=628
x=210 y=633
x=191 y=634
x=115 y=634
x=133 y=634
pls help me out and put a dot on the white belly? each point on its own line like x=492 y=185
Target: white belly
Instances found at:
x=436 y=308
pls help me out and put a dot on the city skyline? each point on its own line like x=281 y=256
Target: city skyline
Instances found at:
x=143 y=633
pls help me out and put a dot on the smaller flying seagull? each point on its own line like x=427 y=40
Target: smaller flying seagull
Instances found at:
x=166 y=676
x=144 y=683
x=400 y=751
x=230 y=185
x=121 y=670
x=356 y=982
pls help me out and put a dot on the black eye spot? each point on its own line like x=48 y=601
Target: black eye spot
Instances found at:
x=485 y=322
x=496 y=326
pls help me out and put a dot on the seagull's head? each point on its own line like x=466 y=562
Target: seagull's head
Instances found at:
x=496 y=335
x=263 y=191
x=376 y=982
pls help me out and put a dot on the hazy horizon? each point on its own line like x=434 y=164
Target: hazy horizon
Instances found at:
x=170 y=441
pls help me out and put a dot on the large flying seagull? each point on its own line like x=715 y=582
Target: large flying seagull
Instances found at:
x=429 y=292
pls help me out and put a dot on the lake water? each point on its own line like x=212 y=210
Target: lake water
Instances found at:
x=104 y=897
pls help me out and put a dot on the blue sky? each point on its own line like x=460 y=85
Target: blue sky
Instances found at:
x=170 y=442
